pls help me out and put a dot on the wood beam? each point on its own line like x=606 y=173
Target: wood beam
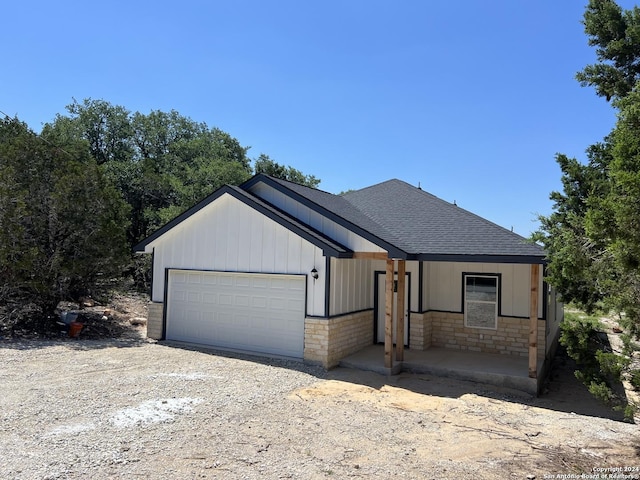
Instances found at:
x=402 y=268
x=533 y=322
x=388 y=315
x=371 y=255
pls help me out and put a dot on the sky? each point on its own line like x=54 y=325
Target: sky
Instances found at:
x=471 y=100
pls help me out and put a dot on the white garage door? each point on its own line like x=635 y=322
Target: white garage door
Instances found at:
x=244 y=311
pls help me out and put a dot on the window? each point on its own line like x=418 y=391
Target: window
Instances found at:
x=481 y=301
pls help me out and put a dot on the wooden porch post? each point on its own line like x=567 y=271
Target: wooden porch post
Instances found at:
x=388 y=315
x=533 y=322
x=400 y=312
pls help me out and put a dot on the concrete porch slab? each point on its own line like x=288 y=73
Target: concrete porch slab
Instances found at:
x=499 y=370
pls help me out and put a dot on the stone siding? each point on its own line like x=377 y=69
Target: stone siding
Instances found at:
x=328 y=340
x=419 y=331
x=154 y=320
x=510 y=338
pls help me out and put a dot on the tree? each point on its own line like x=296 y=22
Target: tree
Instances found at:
x=593 y=236
x=162 y=162
x=264 y=164
x=616 y=35
x=62 y=223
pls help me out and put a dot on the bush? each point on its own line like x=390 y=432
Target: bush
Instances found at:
x=599 y=369
x=62 y=226
x=634 y=379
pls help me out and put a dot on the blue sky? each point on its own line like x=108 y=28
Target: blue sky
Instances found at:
x=469 y=99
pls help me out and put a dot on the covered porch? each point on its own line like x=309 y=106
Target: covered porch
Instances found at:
x=505 y=371
x=513 y=371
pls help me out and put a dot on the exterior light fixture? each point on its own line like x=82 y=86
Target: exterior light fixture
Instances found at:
x=314 y=273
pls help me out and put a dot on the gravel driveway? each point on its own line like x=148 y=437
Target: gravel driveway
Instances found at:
x=135 y=409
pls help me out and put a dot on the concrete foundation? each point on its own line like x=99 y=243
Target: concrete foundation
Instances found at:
x=490 y=369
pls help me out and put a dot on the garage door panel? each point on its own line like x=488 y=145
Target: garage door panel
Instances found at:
x=257 y=312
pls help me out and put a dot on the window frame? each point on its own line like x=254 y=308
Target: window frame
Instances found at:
x=465 y=310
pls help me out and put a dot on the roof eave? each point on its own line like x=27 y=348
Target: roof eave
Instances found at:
x=478 y=258
x=394 y=252
x=328 y=248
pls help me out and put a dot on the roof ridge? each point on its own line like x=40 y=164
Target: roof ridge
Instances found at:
x=372 y=186
x=428 y=221
x=282 y=180
x=445 y=202
x=388 y=238
x=469 y=212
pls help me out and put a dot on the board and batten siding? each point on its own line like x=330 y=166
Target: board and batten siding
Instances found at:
x=412 y=267
x=351 y=286
x=443 y=286
x=319 y=222
x=230 y=236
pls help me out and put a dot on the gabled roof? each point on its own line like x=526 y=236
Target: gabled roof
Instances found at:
x=329 y=246
x=405 y=221
x=336 y=208
x=413 y=224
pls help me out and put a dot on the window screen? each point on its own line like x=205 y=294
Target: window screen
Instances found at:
x=481 y=301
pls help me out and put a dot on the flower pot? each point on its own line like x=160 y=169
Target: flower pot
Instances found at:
x=74 y=329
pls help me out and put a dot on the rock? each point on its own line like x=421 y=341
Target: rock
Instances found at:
x=87 y=302
x=104 y=318
x=138 y=321
x=107 y=312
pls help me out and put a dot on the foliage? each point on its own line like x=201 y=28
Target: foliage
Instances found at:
x=264 y=164
x=599 y=368
x=162 y=162
x=616 y=35
x=62 y=223
x=592 y=237
x=95 y=182
x=579 y=336
x=634 y=379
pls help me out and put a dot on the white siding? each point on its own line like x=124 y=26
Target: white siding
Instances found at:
x=303 y=213
x=228 y=235
x=444 y=286
x=351 y=285
x=413 y=268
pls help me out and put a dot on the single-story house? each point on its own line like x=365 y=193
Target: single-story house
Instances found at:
x=278 y=268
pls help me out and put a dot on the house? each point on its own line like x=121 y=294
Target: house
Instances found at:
x=277 y=268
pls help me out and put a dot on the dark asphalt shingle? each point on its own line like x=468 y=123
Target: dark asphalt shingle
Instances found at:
x=427 y=224
x=417 y=222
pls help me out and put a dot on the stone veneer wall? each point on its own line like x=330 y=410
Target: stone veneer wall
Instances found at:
x=419 y=331
x=510 y=338
x=154 y=320
x=328 y=340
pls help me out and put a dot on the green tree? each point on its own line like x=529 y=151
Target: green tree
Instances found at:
x=162 y=162
x=62 y=223
x=592 y=237
x=264 y=164
x=616 y=35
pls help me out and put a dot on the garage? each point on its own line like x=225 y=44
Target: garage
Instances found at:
x=262 y=313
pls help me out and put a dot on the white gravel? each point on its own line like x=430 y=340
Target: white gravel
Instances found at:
x=133 y=409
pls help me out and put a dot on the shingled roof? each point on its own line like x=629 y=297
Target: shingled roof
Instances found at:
x=403 y=220
x=417 y=224
x=429 y=225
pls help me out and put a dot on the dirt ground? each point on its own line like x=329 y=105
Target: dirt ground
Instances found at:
x=131 y=408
